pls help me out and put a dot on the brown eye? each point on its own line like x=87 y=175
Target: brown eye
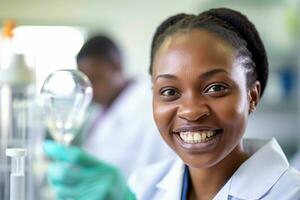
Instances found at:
x=216 y=89
x=169 y=93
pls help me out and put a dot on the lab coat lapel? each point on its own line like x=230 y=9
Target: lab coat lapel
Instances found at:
x=260 y=172
x=170 y=187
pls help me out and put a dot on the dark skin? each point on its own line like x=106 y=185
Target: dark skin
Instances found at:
x=106 y=77
x=198 y=85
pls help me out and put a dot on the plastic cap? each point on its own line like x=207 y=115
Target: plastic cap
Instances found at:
x=17 y=73
x=16 y=152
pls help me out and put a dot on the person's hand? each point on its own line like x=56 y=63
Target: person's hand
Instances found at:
x=77 y=175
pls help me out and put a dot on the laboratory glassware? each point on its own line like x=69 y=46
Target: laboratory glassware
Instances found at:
x=17 y=97
x=66 y=95
x=17 y=176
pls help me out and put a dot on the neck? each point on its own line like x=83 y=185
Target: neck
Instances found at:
x=206 y=182
x=118 y=90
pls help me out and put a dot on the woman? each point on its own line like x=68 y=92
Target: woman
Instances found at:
x=209 y=72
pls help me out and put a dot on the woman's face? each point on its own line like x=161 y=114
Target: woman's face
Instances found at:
x=200 y=98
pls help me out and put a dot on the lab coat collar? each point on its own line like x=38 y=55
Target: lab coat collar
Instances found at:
x=256 y=176
x=171 y=184
x=253 y=179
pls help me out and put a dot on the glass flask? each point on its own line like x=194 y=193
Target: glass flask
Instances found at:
x=66 y=95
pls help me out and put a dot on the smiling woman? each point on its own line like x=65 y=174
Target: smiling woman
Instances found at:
x=210 y=95
x=209 y=72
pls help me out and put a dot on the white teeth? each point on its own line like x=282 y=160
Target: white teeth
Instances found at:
x=196 y=137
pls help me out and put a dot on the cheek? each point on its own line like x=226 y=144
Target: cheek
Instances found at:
x=233 y=113
x=100 y=88
x=164 y=117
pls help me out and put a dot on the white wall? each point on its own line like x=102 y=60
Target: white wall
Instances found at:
x=133 y=22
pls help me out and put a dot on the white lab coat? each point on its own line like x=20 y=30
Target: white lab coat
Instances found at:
x=265 y=175
x=126 y=135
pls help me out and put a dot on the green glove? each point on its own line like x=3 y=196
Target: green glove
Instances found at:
x=77 y=175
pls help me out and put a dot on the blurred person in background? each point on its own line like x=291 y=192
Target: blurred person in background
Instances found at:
x=118 y=129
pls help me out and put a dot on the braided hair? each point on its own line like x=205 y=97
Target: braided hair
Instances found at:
x=229 y=25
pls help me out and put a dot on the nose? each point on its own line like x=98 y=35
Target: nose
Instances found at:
x=193 y=109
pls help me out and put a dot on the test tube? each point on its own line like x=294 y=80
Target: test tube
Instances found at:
x=17 y=176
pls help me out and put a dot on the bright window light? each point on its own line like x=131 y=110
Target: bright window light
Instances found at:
x=48 y=48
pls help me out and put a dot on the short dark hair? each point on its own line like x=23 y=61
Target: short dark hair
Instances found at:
x=231 y=26
x=101 y=46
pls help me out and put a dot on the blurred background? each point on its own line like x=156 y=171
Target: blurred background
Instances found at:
x=50 y=33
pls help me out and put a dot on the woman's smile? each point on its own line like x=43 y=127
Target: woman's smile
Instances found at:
x=197 y=138
x=194 y=137
x=198 y=141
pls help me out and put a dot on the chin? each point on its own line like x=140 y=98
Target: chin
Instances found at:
x=201 y=165
x=201 y=161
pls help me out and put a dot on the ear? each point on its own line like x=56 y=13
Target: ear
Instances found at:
x=254 y=96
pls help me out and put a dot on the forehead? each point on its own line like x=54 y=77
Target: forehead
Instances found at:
x=197 y=47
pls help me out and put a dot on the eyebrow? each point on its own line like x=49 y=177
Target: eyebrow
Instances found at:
x=211 y=73
x=168 y=76
x=205 y=75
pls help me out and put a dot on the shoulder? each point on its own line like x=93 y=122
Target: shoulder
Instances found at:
x=143 y=182
x=137 y=97
x=140 y=88
x=288 y=186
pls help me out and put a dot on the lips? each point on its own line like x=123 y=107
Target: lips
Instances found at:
x=197 y=138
